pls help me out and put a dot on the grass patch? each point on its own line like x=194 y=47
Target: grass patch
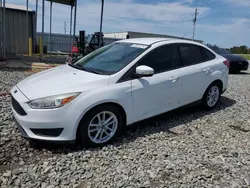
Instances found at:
x=246 y=56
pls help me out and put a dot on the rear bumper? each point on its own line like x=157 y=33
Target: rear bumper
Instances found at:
x=239 y=65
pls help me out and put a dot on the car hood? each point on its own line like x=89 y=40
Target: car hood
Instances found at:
x=233 y=57
x=60 y=80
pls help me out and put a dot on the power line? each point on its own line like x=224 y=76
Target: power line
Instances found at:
x=145 y=20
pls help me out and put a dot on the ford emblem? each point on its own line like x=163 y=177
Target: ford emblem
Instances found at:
x=15 y=91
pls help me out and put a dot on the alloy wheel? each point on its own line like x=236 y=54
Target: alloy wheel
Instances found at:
x=102 y=127
x=213 y=96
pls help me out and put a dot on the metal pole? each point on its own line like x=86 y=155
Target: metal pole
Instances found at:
x=50 y=26
x=194 y=21
x=36 y=10
x=100 y=36
x=42 y=28
x=27 y=25
x=1 y=31
x=70 y=30
x=75 y=18
x=35 y=41
x=4 y=21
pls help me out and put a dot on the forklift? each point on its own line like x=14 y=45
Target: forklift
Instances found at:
x=93 y=42
x=82 y=46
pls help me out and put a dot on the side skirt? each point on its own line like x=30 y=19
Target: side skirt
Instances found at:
x=196 y=103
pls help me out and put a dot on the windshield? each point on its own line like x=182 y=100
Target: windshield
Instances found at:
x=219 y=50
x=110 y=59
x=89 y=38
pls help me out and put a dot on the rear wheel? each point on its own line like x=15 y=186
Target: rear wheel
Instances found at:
x=234 y=71
x=212 y=96
x=100 y=126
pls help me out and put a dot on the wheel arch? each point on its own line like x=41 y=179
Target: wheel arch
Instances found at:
x=122 y=110
x=217 y=81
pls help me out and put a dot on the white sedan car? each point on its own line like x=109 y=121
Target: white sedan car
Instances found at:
x=92 y=99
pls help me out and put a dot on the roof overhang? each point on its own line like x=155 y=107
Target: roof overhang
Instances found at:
x=15 y=7
x=64 y=2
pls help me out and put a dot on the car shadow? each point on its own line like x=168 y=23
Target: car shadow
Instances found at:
x=180 y=116
x=147 y=127
x=239 y=73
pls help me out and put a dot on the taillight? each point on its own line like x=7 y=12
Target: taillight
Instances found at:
x=227 y=63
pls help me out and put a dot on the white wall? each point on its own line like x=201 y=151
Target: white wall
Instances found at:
x=122 y=35
x=118 y=35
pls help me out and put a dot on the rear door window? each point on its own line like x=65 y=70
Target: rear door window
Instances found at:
x=189 y=54
x=208 y=56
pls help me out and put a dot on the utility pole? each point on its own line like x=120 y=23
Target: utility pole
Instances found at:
x=194 y=21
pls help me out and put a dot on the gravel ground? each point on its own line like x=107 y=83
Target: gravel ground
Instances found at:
x=185 y=148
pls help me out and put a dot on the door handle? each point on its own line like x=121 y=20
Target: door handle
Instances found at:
x=206 y=70
x=173 y=79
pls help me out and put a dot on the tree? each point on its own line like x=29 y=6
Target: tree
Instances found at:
x=240 y=49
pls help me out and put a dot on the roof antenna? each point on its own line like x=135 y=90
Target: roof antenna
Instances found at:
x=184 y=35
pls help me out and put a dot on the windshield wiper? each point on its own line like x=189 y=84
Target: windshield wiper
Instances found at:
x=74 y=66
x=91 y=70
x=85 y=69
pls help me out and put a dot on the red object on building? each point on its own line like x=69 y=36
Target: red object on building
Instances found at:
x=75 y=49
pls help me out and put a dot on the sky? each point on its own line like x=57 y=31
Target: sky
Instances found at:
x=225 y=23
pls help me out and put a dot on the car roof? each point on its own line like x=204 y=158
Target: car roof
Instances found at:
x=145 y=41
x=150 y=41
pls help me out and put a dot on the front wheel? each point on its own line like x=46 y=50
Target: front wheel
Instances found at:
x=100 y=126
x=211 y=96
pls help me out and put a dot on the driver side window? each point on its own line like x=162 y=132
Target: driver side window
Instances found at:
x=160 y=59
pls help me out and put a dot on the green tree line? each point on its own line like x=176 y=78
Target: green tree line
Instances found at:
x=236 y=49
x=240 y=50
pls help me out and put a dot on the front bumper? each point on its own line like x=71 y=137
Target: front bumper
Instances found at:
x=21 y=130
x=48 y=125
x=239 y=65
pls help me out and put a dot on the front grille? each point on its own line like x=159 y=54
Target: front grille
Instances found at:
x=16 y=106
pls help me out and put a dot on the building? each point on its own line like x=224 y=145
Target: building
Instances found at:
x=132 y=34
x=17 y=32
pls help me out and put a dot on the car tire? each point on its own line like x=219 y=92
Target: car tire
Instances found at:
x=234 y=71
x=93 y=123
x=211 y=96
x=237 y=71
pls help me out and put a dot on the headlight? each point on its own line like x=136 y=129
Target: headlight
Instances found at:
x=55 y=101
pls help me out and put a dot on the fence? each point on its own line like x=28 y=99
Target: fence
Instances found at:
x=59 y=42
x=62 y=42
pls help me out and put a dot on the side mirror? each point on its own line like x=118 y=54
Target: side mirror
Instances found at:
x=144 y=71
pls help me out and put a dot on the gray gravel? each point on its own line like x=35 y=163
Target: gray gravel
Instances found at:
x=186 y=148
